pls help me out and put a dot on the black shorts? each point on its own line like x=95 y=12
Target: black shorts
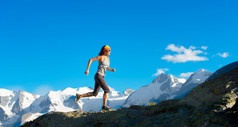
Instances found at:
x=100 y=82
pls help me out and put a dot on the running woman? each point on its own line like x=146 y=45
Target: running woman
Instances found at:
x=99 y=76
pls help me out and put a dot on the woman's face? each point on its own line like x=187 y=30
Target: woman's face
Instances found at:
x=107 y=52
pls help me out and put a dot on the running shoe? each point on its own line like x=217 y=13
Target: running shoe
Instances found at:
x=106 y=108
x=77 y=97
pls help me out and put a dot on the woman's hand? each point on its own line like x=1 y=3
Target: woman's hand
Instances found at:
x=86 y=72
x=109 y=69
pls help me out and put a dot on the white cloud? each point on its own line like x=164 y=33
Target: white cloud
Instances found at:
x=174 y=48
x=42 y=90
x=184 y=75
x=160 y=71
x=224 y=55
x=204 y=47
x=184 y=55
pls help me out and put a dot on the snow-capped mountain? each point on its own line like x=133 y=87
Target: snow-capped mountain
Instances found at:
x=64 y=101
x=128 y=91
x=13 y=105
x=195 y=79
x=162 y=88
x=18 y=107
x=166 y=87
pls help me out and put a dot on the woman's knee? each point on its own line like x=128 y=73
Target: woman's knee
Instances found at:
x=95 y=93
x=107 y=91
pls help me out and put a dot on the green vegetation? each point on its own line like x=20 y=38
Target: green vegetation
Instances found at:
x=152 y=104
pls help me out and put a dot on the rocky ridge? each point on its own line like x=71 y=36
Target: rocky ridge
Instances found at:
x=212 y=103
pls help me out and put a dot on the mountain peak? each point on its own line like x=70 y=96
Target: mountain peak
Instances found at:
x=128 y=91
x=5 y=92
x=162 y=78
x=200 y=70
x=163 y=87
x=69 y=90
x=199 y=76
x=195 y=79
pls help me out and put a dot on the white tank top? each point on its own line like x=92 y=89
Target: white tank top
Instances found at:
x=102 y=67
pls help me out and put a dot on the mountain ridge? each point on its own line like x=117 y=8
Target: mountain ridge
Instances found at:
x=224 y=69
x=195 y=79
x=212 y=103
x=164 y=87
x=63 y=100
x=16 y=104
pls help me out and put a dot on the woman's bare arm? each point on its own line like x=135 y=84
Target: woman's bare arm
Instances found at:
x=90 y=61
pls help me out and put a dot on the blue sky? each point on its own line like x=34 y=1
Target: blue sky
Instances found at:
x=46 y=45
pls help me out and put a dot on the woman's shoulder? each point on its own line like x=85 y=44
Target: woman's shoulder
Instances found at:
x=105 y=58
x=102 y=58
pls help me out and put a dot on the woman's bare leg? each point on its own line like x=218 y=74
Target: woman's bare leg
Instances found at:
x=78 y=96
x=105 y=95
x=87 y=95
